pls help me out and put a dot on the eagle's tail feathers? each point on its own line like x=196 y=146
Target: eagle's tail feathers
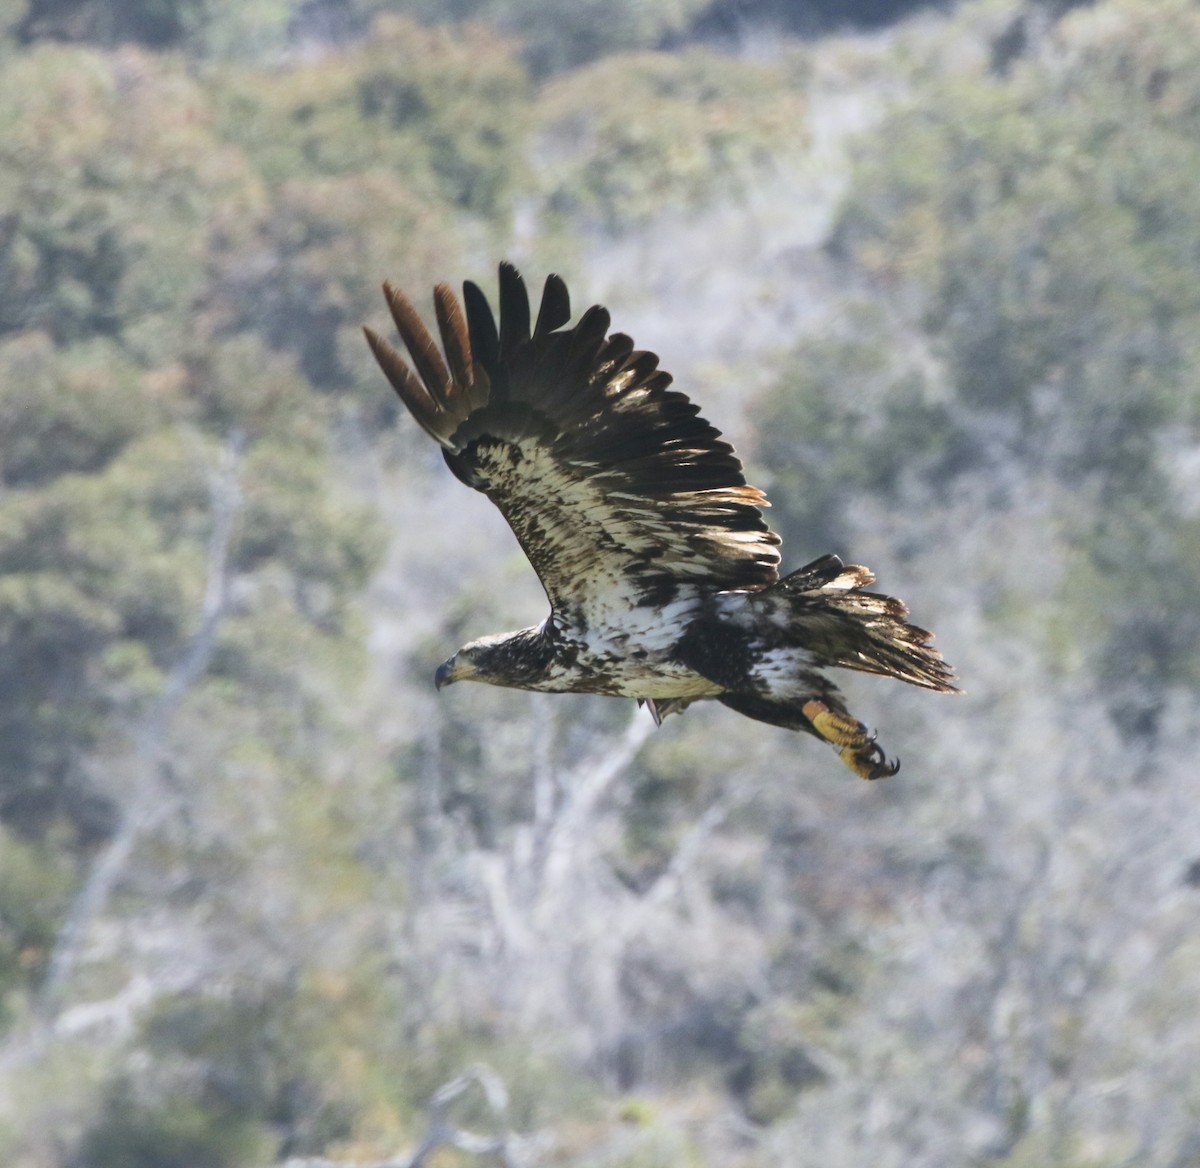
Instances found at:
x=828 y=572
x=842 y=625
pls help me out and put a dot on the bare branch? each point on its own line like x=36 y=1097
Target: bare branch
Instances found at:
x=144 y=808
x=667 y=884
x=225 y=492
x=582 y=790
x=515 y=1151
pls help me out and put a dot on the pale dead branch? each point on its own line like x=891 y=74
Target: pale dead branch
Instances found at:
x=149 y=804
x=582 y=790
x=513 y=1150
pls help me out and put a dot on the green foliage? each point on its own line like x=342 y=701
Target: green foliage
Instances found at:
x=113 y=186
x=207 y=29
x=644 y=134
x=98 y=581
x=1041 y=227
x=173 y=1131
x=35 y=882
x=660 y=1146
x=70 y=410
x=259 y=30
x=444 y=108
x=311 y=1067
x=103 y=574
x=12 y=13
x=155 y=23
x=847 y=416
x=371 y=154
x=979 y=200
x=578 y=33
x=227 y=30
x=324 y=250
x=218 y=1073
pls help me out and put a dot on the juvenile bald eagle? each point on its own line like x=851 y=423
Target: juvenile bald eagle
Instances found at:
x=661 y=573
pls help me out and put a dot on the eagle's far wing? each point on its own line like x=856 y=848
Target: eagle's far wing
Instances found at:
x=619 y=492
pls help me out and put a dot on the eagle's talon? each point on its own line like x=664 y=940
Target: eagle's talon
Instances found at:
x=855 y=744
x=868 y=762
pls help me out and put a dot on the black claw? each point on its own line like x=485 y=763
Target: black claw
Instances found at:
x=880 y=767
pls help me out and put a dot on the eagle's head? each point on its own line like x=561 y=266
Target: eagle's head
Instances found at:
x=510 y=659
x=480 y=660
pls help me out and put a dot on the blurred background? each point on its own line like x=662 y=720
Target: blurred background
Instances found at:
x=265 y=899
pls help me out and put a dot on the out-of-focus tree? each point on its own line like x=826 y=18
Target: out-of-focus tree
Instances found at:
x=208 y=29
x=122 y=391
x=314 y=273
x=154 y=23
x=114 y=186
x=442 y=109
x=646 y=134
x=850 y=413
x=1037 y=227
x=103 y=564
x=579 y=33
x=103 y=573
x=382 y=160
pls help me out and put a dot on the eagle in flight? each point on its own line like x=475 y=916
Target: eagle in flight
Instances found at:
x=661 y=573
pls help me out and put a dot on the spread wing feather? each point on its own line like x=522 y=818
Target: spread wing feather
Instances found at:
x=619 y=492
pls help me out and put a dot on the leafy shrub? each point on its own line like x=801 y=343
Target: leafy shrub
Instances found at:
x=444 y=109
x=1040 y=228
x=644 y=134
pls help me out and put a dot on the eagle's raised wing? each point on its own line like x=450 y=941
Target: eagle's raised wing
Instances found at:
x=619 y=492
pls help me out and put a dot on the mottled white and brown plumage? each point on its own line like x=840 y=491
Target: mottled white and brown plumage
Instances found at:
x=661 y=572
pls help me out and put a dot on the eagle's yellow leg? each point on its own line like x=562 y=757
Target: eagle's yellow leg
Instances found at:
x=858 y=748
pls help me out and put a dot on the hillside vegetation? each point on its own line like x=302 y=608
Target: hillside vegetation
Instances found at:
x=266 y=899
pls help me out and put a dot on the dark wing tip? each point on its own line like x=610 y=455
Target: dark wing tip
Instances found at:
x=555 y=309
x=481 y=325
x=514 y=311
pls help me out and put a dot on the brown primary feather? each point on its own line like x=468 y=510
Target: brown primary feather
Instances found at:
x=421 y=346
x=453 y=328
x=414 y=395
